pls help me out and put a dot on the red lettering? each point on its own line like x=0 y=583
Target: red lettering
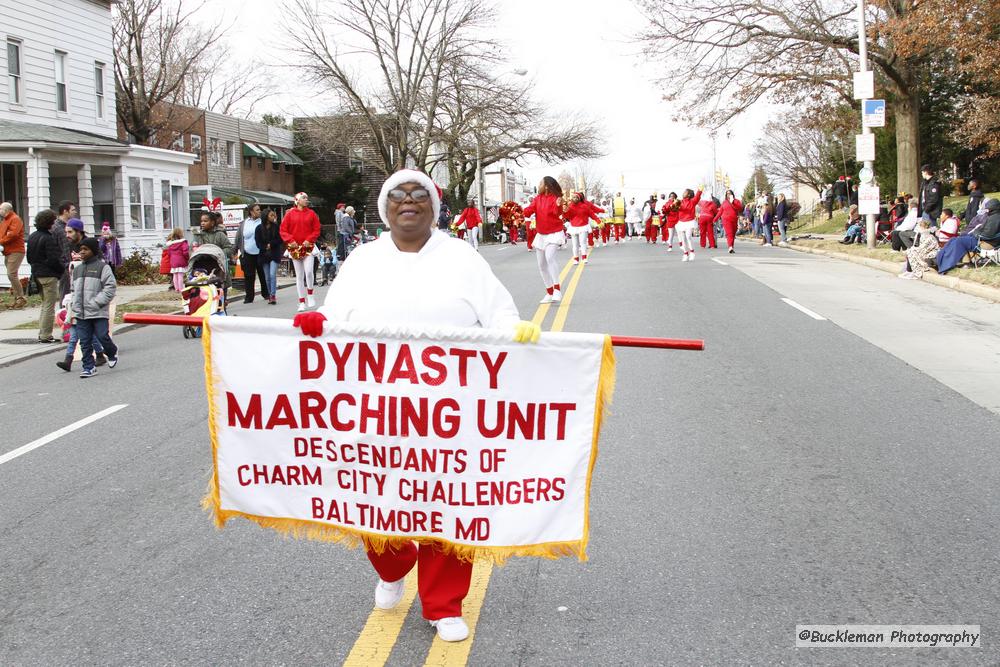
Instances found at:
x=369 y=412
x=523 y=421
x=371 y=362
x=311 y=404
x=561 y=409
x=239 y=474
x=249 y=419
x=446 y=424
x=486 y=431
x=412 y=416
x=463 y=364
x=317 y=508
x=493 y=367
x=282 y=414
x=340 y=357
x=403 y=368
x=305 y=372
x=335 y=421
x=427 y=357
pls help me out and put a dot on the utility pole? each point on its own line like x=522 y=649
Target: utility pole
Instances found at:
x=863 y=67
x=715 y=168
x=479 y=175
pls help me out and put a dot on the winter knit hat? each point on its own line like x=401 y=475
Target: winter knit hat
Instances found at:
x=408 y=176
x=91 y=242
x=75 y=223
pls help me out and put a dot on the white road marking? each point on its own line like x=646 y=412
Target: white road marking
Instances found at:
x=815 y=316
x=65 y=430
x=719 y=261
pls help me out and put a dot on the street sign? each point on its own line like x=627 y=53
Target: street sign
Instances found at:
x=864 y=85
x=864 y=147
x=868 y=199
x=874 y=113
x=866 y=175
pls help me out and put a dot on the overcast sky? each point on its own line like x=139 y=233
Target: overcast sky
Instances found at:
x=582 y=56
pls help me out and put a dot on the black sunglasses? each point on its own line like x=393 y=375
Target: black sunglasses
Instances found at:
x=418 y=195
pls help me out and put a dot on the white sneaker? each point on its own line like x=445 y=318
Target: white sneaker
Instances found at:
x=546 y=299
x=782 y=244
x=452 y=629
x=670 y=248
x=768 y=245
x=302 y=306
x=556 y=296
x=310 y=301
x=389 y=593
x=584 y=259
x=684 y=258
x=576 y=260
x=691 y=256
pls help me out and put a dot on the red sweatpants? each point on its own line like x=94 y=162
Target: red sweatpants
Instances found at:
x=619 y=231
x=606 y=232
x=442 y=580
x=730 y=228
x=650 y=234
x=664 y=232
x=706 y=232
x=461 y=233
x=591 y=237
x=512 y=234
x=531 y=236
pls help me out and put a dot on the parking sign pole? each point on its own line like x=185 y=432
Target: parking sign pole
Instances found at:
x=863 y=67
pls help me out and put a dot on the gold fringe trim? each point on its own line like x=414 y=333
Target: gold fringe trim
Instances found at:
x=353 y=538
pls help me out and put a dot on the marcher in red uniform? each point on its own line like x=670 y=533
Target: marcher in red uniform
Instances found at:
x=472 y=221
x=670 y=213
x=382 y=284
x=547 y=209
x=579 y=214
x=686 y=223
x=706 y=223
x=648 y=213
x=729 y=213
x=299 y=230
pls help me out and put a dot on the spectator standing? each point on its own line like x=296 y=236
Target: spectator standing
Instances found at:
x=827 y=197
x=975 y=201
x=931 y=200
x=246 y=246
x=111 y=251
x=766 y=222
x=94 y=288
x=211 y=232
x=268 y=238
x=66 y=211
x=12 y=240
x=783 y=216
x=444 y=217
x=45 y=256
x=178 y=253
x=853 y=196
x=840 y=192
x=346 y=228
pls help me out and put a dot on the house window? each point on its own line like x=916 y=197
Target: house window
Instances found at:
x=178 y=143
x=141 y=204
x=62 y=100
x=166 y=209
x=196 y=146
x=230 y=154
x=99 y=88
x=260 y=163
x=14 y=70
x=357 y=165
x=288 y=168
x=213 y=152
x=275 y=166
x=247 y=162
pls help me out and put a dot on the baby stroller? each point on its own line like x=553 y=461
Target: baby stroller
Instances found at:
x=205 y=285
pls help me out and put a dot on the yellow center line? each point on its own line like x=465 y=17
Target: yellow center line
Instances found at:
x=456 y=654
x=380 y=633
x=543 y=309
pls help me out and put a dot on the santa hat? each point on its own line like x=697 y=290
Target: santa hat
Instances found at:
x=408 y=176
x=105 y=228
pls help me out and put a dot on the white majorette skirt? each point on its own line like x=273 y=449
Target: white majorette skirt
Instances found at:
x=582 y=230
x=687 y=226
x=542 y=240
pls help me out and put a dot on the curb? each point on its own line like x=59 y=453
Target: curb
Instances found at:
x=957 y=284
x=124 y=328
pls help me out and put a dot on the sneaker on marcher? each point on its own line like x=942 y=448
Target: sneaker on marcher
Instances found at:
x=670 y=248
x=585 y=260
x=302 y=306
x=576 y=260
x=546 y=299
x=684 y=258
x=451 y=629
x=691 y=256
x=88 y=372
x=389 y=593
x=310 y=301
x=556 y=296
x=113 y=361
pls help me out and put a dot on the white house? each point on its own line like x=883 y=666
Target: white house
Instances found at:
x=58 y=130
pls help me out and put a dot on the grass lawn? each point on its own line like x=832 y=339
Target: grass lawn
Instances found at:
x=986 y=276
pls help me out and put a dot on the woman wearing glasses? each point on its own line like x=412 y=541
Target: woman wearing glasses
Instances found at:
x=418 y=276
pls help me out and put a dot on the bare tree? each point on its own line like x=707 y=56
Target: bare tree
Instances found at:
x=226 y=88
x=157 y=46
x=795 y=149
x=798 y=51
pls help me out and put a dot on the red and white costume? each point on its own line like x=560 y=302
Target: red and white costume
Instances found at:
x=729 y=213
x=549 y=237
x=301 y=226
x=579 y=216
x=686 y=224
x=473 y=221
x=670 y=214
x=381 y=285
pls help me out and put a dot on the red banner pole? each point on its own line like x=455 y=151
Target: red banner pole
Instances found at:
x=617 y=341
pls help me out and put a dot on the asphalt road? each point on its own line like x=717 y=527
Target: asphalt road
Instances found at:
x=792 y=473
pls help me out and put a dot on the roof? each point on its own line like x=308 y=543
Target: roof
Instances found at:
x=17 y=132
x=248 y=197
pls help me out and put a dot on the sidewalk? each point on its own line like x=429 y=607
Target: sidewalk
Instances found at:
x=18 y=344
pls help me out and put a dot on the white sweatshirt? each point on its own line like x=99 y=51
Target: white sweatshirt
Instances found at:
x=633 y=213
x=447 y=283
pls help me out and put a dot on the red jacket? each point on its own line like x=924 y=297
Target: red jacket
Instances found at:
x=580 y=214
x=708 y=211
x=178 y=252
x=300 y=225
x=670 y=213
x=12 y=234
x=547 y=212
x=470 y=216
x=729 y=211
x=686 y=211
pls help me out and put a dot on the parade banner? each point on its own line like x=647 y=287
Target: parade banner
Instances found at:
x=459 y=437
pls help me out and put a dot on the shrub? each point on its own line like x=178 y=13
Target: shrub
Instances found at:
x=139 y=269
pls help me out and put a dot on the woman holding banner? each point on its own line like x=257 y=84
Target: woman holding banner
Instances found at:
x=385 y=283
